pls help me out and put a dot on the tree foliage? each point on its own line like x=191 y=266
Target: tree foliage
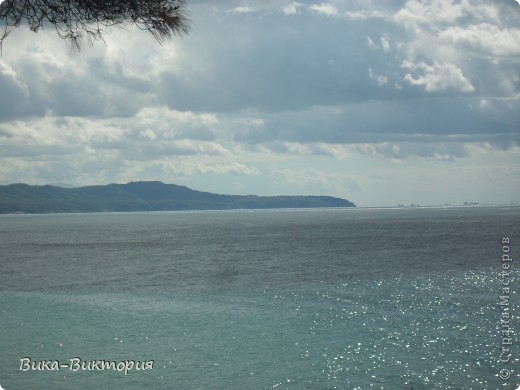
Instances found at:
x=73 y=19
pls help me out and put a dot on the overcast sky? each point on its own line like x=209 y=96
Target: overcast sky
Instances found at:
x=379 y=102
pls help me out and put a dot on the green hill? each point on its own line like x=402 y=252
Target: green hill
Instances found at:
x=143 y=196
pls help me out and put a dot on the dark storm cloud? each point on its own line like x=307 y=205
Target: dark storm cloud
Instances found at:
x=15 y=96
x=390 y=120
x=276 y=63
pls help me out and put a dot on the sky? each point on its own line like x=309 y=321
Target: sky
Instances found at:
x=381 y=102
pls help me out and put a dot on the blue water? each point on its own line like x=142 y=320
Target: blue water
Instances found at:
x=281 y=299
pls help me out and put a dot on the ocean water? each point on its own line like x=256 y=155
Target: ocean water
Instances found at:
x=274 y=299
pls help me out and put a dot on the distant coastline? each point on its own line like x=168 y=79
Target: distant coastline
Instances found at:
x=143 y=196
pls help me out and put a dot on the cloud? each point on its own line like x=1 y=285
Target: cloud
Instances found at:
x=223 y=169
x=184 y=168
x=15 y=95
x=484 y=39
x=293 y=8
x=324 y=88
x=364 y=14
x=437 y=77
x=438 y=151
x=315 y=180
x=418 y=120
x=438 y=14
x=242 y=10
x=325 y=9
x=478 y=38
x=380 y=80
x=384 y=43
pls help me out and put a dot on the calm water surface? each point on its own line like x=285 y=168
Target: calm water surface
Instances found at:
x=282 y=299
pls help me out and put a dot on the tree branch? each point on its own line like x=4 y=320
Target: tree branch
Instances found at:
x=72 y=18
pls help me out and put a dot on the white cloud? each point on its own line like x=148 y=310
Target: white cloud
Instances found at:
x=222 y=169
x=437 y=77
x=439 y=14
x=371 y=44
x=241 y=10
x=380 y=80
x=399 y=152
x=325 y=9
x=202 y=147
x=385 y=43
x=485 y=39
x=364 y=14
x=471 y=44
x=8 y=72
x=316 y=182
x=416 y=13
x=292 y=9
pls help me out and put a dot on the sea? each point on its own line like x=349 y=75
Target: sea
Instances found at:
x=355 y=298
